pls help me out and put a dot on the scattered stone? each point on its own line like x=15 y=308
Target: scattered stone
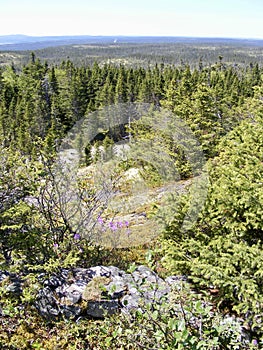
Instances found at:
x=99 y=291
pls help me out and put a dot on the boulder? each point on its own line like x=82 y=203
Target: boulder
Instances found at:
x=98 y=290
x=103 y=290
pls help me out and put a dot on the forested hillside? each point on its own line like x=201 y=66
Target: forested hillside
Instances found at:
x=134 y=51
x=42 y=100
x=221 y=254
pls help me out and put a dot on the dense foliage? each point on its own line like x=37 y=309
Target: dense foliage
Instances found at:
x=224 y=248
x=222 y=104
x=43 y=102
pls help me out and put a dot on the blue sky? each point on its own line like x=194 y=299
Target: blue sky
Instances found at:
x=207 y=18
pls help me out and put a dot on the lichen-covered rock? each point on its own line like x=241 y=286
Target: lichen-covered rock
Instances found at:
x=106 y=290
x=95 y=291
x=95 y=288
x=98 y=290
x=100 y=308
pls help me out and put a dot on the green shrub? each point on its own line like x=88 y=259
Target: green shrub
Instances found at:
x=224 y=248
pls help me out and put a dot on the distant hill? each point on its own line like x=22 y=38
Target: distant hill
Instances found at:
x=23 y=42
x=129 y=51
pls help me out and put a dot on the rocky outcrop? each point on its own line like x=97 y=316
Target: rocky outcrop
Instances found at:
x=95 y=292
x=104 y=290
x=100 y=290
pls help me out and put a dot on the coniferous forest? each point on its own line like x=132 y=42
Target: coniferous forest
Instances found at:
x=220 y=255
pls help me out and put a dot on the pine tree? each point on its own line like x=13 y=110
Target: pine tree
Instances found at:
x=120 y=89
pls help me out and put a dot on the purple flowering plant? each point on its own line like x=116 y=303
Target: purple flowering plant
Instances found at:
x=113 y=225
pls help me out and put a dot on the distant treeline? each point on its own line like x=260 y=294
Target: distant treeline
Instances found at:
x=136 y=52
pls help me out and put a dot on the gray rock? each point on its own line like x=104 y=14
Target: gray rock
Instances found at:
x=99 y=309
x=70 y=311
x=99 y=290
x=99 y=271
x=130 y=302
x=46 y=303
x=53 y=282
x=103 y=290
x=71 y=294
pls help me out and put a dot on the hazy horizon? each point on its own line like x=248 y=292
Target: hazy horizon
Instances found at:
x=230 y=19
x=131 y=36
